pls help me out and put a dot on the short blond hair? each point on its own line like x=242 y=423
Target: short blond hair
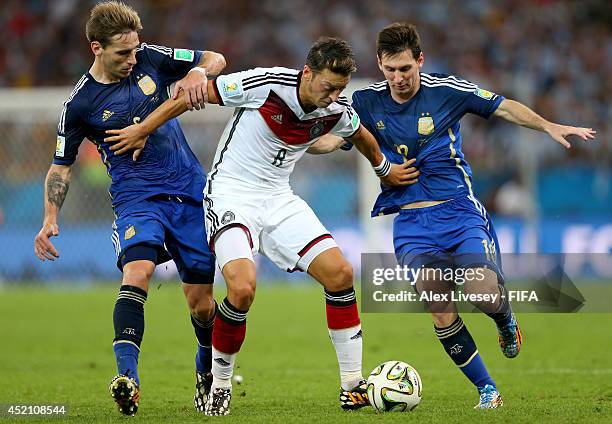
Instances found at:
x=109 y=18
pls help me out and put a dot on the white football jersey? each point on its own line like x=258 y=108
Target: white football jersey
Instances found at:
x=269 y=131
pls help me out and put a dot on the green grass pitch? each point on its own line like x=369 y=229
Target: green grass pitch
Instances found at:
x=56 y=348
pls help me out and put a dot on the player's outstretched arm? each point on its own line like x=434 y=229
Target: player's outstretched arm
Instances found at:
x=517 y=113
x=327 y=143
x=195 y=83
x=390 y=174
x=56 y=188
x=135 y=136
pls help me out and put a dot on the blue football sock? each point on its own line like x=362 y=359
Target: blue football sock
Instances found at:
x=126 y=355
x=128 y=320
x=459 y=345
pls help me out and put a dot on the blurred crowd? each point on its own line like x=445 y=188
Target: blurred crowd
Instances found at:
x=553 y=55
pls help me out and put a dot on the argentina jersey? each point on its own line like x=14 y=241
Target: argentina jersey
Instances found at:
x=426 y=128
x=167 y=165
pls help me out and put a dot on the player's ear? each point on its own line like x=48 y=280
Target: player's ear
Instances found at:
x=379 y=63
x=307 y=73
x=96 y=48
x=421 y=59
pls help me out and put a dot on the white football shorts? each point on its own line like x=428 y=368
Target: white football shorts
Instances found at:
x=281 y=227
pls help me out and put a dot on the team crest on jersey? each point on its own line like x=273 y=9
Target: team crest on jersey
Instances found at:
x=147 y=85
x=129 y=233
x=60 y=146
x=487 y=95
x=106 y=115
x=380 y=125
x=231 y=89
x=317 y=129
x=227 y=217
x=426 y=125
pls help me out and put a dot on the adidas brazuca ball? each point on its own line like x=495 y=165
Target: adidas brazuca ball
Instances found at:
x=394 y=386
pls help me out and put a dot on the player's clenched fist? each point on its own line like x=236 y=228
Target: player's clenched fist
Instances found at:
x=43 y=248
x=402 y=174
x=194 y=85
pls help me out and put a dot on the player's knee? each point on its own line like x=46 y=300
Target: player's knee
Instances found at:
x=241 y=295
x=202 y=307
x=340 y=278
x=485 y=281
x=241 y=282
x=138 y=273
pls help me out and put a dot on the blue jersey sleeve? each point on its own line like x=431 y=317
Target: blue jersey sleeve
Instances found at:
x=71 y=131
x=172 y=63
x=482 y=102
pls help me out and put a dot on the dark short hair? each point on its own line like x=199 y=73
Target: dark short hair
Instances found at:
x=397 y=38
x=331 y=53
x=110 y=18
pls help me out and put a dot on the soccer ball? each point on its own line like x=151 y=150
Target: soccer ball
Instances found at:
x=394 y=386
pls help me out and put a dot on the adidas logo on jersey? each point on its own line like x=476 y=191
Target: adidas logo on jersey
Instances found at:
x=277 y=118
x=380 y=125
x=107 y=114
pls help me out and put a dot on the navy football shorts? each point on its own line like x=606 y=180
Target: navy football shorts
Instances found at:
x=163 y=228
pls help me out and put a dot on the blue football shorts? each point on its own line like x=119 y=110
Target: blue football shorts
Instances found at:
x=162 y=228
x=458 y=233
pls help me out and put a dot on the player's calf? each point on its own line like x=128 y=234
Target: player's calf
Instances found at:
x=228 y=335
x=128 y=320
x=332 y=270
x=461 y=348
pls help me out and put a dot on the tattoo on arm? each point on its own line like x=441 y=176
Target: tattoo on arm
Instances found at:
x=57 y=188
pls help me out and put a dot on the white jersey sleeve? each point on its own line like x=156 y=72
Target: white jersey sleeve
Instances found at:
x=249 y=88
x=349 y=123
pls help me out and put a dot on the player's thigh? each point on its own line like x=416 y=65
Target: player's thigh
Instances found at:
x=138 y=237
x=241 y=211
x=292 y=235
x=186 y=241
x=477 y=260
x=235 y=258
x=476 y=244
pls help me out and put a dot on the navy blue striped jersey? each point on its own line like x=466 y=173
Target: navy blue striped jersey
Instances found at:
x=167 y=165
x=426 y=128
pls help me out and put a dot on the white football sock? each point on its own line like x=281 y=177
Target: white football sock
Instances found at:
x=348 y=344
x=222 y=369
